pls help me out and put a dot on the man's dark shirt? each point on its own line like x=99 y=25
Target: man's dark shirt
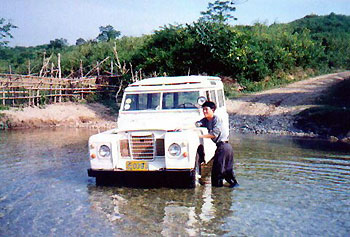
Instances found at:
x=215 y=127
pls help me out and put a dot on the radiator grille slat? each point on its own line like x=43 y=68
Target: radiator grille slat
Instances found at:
x=142 y=147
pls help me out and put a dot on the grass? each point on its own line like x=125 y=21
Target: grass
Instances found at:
x=107 y=100
x=4 y=107
x=4 y=122
x=278 y=79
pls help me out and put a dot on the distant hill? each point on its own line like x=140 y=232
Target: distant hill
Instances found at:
x=332 y=23
x=256 y=56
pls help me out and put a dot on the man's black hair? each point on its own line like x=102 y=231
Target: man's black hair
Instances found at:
x=209 y=104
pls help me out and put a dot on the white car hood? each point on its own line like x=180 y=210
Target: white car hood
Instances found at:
x=159 y=120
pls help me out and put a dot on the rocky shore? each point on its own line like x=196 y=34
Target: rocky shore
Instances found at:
x=273 y=111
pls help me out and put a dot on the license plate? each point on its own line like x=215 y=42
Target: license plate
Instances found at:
x=137 y=165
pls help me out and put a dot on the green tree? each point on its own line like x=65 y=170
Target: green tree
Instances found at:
x=80 y=41
x=5 y=31
x=219 y=11
x=107 y=33
x=58 y=43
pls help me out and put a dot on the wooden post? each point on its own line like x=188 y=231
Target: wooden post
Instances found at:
x=10 y=69
x=93 y=69
x=33 y=95
x=59 y=65
x=29 y=100
x=97 y=68
x=117 y=58
x=42 y=68
x=132 y=73
x=81 y=69
x=29 y=71
x=60 y=98
x=111 y=67
x=54 y=92
x=37 y=98
x=51 y=69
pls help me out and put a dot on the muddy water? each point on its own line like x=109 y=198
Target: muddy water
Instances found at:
x=288 y=187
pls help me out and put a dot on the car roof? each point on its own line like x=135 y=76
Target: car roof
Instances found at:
x=179 y=82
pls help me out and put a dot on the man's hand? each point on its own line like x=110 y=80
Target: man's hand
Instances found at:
x=207 y=136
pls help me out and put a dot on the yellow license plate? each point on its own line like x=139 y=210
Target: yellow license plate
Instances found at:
x=137 y=165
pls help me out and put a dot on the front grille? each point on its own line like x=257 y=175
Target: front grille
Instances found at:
x=124 y=148
x=142 y=146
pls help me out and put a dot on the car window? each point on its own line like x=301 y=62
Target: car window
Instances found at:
x=213 y=96
x=143 y=101
x=180 y=100
x=220 y=98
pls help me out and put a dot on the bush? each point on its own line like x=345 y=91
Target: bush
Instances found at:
x=256 y=56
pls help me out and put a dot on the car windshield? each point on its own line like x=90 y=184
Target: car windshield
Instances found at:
x=144 y=101
x=180 y=100
x=151 y=101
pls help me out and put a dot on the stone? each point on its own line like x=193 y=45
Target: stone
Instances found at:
x=346 y=140
x=333 y=139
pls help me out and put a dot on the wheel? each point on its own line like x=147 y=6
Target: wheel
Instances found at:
x=195 y=174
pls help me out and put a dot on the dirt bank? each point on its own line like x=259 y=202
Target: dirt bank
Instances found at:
x=273 y=111
x=62 y=114
x=268 y=112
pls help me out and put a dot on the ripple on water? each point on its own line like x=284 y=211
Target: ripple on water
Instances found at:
x=288 y=187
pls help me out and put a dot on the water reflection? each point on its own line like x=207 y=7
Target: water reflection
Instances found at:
x=167 y=212
x=288 y=187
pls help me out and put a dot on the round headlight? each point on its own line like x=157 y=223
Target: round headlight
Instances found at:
x=104 y=151
x=174 y=149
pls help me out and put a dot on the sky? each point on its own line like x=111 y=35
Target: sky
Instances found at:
x=40 y=21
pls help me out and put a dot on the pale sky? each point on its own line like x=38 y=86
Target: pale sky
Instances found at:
x=40 y=21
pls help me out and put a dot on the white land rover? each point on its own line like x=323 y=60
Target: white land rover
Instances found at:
x=156 y=132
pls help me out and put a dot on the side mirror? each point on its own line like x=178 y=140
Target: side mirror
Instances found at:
x=201 y=100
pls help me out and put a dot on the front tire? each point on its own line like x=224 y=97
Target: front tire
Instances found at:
x=195 y=174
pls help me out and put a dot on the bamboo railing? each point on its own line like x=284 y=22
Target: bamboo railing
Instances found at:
x=32 y=90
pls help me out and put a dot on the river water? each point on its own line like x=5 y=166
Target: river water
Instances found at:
x=288 y=187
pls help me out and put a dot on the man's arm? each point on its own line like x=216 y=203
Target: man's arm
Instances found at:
x=207 y=136
x=213 y=134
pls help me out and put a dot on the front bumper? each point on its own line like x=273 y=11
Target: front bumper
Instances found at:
x=97 y=173
x=164 y=178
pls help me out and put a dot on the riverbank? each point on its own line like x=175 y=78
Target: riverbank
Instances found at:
x=274 y=111
x=269 y=112
x=68 y=114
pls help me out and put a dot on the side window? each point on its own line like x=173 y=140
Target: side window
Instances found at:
x=213 y=96
x=220 y=97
